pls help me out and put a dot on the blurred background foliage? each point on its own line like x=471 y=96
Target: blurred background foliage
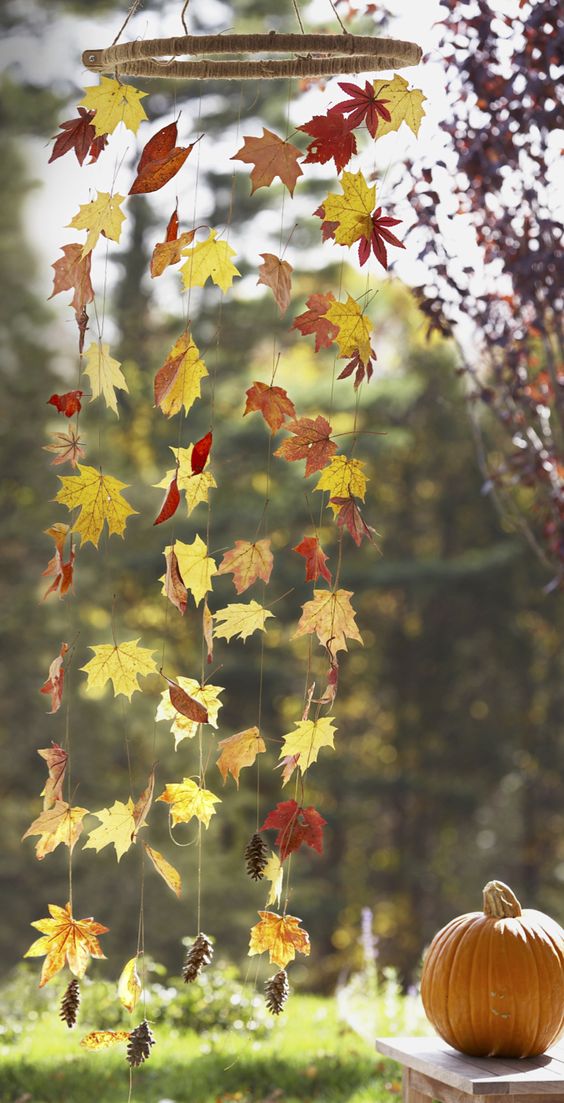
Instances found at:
x=450 y=747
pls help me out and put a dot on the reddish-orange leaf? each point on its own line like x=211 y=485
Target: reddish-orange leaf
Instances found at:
x=247 y=562
x=56 y=759
x=55 y=681
x=272 y=402
x=175 y=589
x=188 y=706
x=160 y=160
x=288 y=764
x=313 y=320
x=169 y=251
x=277 y=274
x=311 y=440
x=60 y=571
x=67 y=448
x=173 y=224
x=79 y=134
x=72 y=273
x=350 y=517
x=68 y=403
x=271 y=157
x=315 y=559
x=296 y=826
x=170 y=504
x=160 y=145
x=200 y=453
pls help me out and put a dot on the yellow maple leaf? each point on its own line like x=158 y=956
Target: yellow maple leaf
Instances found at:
x=343 y=477
x=354 y=328
x=331 y=617
x=99 y=499
x=122 y=663
x=238 y=751
x=129 y=986
x=104 y=373
x=59 y=824
x=209 y=259
x=117 y=827
x=177 y=383
x=240 y=620
x=195 y=487
x=114 y=103
x=169 y=874
x=65 y=940
x=101 y=216
x=102 y=1039
x=352 y=210
x=308 y=739
x=181 y=726
x=273 y=872
x=281 y=936
x=187 y=799
x=404 y=105
x=247 y=561
x=196 y=567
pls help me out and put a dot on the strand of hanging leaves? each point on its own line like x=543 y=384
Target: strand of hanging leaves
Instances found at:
x=351 y=218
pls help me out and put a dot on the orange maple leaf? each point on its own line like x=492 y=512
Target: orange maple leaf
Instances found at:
x=311 y=441
x=238 y=751
x=281 y=936
x=277 y=274
x=65 y=941
x=271 y=157
x=272 y=402
x=247 y=562
x=56 y=759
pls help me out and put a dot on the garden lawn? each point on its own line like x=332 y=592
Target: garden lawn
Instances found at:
x=308 y=1056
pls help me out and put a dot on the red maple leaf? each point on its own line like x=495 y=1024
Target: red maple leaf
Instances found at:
x=379 y=236
x=295 y=826
x=54 y=684
x=272 y=402
x=315 y=559
x=350 y=517
x=332 y=138
x=362 y=106
x=361 y=367
x=311 y=441
x=170 y=504
x=68 y=403
x=313 y=320
x=200 y=453
x=160 y=160
x=79 y=134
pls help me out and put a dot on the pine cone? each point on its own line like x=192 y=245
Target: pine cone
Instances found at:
x=256 y=856
x=70 y=1004
x=139 y=1045
x=277 y=991
x=199 y=954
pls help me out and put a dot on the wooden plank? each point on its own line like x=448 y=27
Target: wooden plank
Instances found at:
x=479 y=1076
x=410 y=1092
x=429 y=1089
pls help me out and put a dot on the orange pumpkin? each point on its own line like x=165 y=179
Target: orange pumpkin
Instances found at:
x=493 y=981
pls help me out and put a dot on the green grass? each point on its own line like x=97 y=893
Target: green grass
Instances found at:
x=308 y=1056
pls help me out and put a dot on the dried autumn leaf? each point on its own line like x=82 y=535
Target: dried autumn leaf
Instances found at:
x=72 y=273
x=274 y=873
x=65 y=941
x=143 y=803
x=238 y=751
x=315 y=559
x=67 y=448
x=113 y=103
x=365 y=105
x=56 y=759
x=103 y=1039
x=363 y=369
x=196 y=567
x=200 y=454
x=160 y=160
x=105 y=374
x=343 y=477
x=186 y=705
x=272 y=402
x=174 y=588
x=350 y=517
x=209 y=259
x=404 y=105
x=308 y=739
x=129 y=987
x=61 y=572
x=79 y=135
x=247 y=561
x=167 y=253
x=169 y=507
x=277 y=274
x=117 y=828
x=59 y=824
x=196 y=487
x=351 y=211
x=271 y=157
x=55 y=681
x=99 y=499
x=332 y=138
x=207 y=630
x=238 y=621
x=296 y=827
x=288 y=765
x=181 y=726
x=121 y=664
x=310 y=441
x=177 y=383
x=314 y=320
x=281 y=936
x=169 y=874
x=68 y=404
x=188 y=800
x=331 y=617
x=353 y=326
x=102 y=215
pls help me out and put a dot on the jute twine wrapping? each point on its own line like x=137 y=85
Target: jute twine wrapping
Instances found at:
x=344 y=53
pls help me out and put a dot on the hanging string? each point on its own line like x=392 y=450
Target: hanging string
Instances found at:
x=129 y=16
x=298 y=16
x=185 y=7
x=338 y=18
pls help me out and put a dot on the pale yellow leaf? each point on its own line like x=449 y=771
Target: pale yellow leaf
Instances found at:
x=308 y=739
x=129 y=986
x=169 y=874
x=117 y=828
x=99 y=499
x=177 y=382
x=238 y=751
x=59 y=824
x=354 y=328
x=210 y=259
x=195 y=487
x=331 y=617
x=196 y=567
x=188 y=800
x=102 y=1039
x=104 y=373
x=343 y=477
x=102 y=215
x=122 y=664
x=237 y=621
x=114 y=103
x=352 y=211
x=281 y=935
x=273 y=872
x=404 y=105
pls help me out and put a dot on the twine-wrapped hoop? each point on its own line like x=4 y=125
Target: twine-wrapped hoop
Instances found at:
x=315 y=55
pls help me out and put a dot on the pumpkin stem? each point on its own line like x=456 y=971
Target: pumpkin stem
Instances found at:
x=500 y=902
